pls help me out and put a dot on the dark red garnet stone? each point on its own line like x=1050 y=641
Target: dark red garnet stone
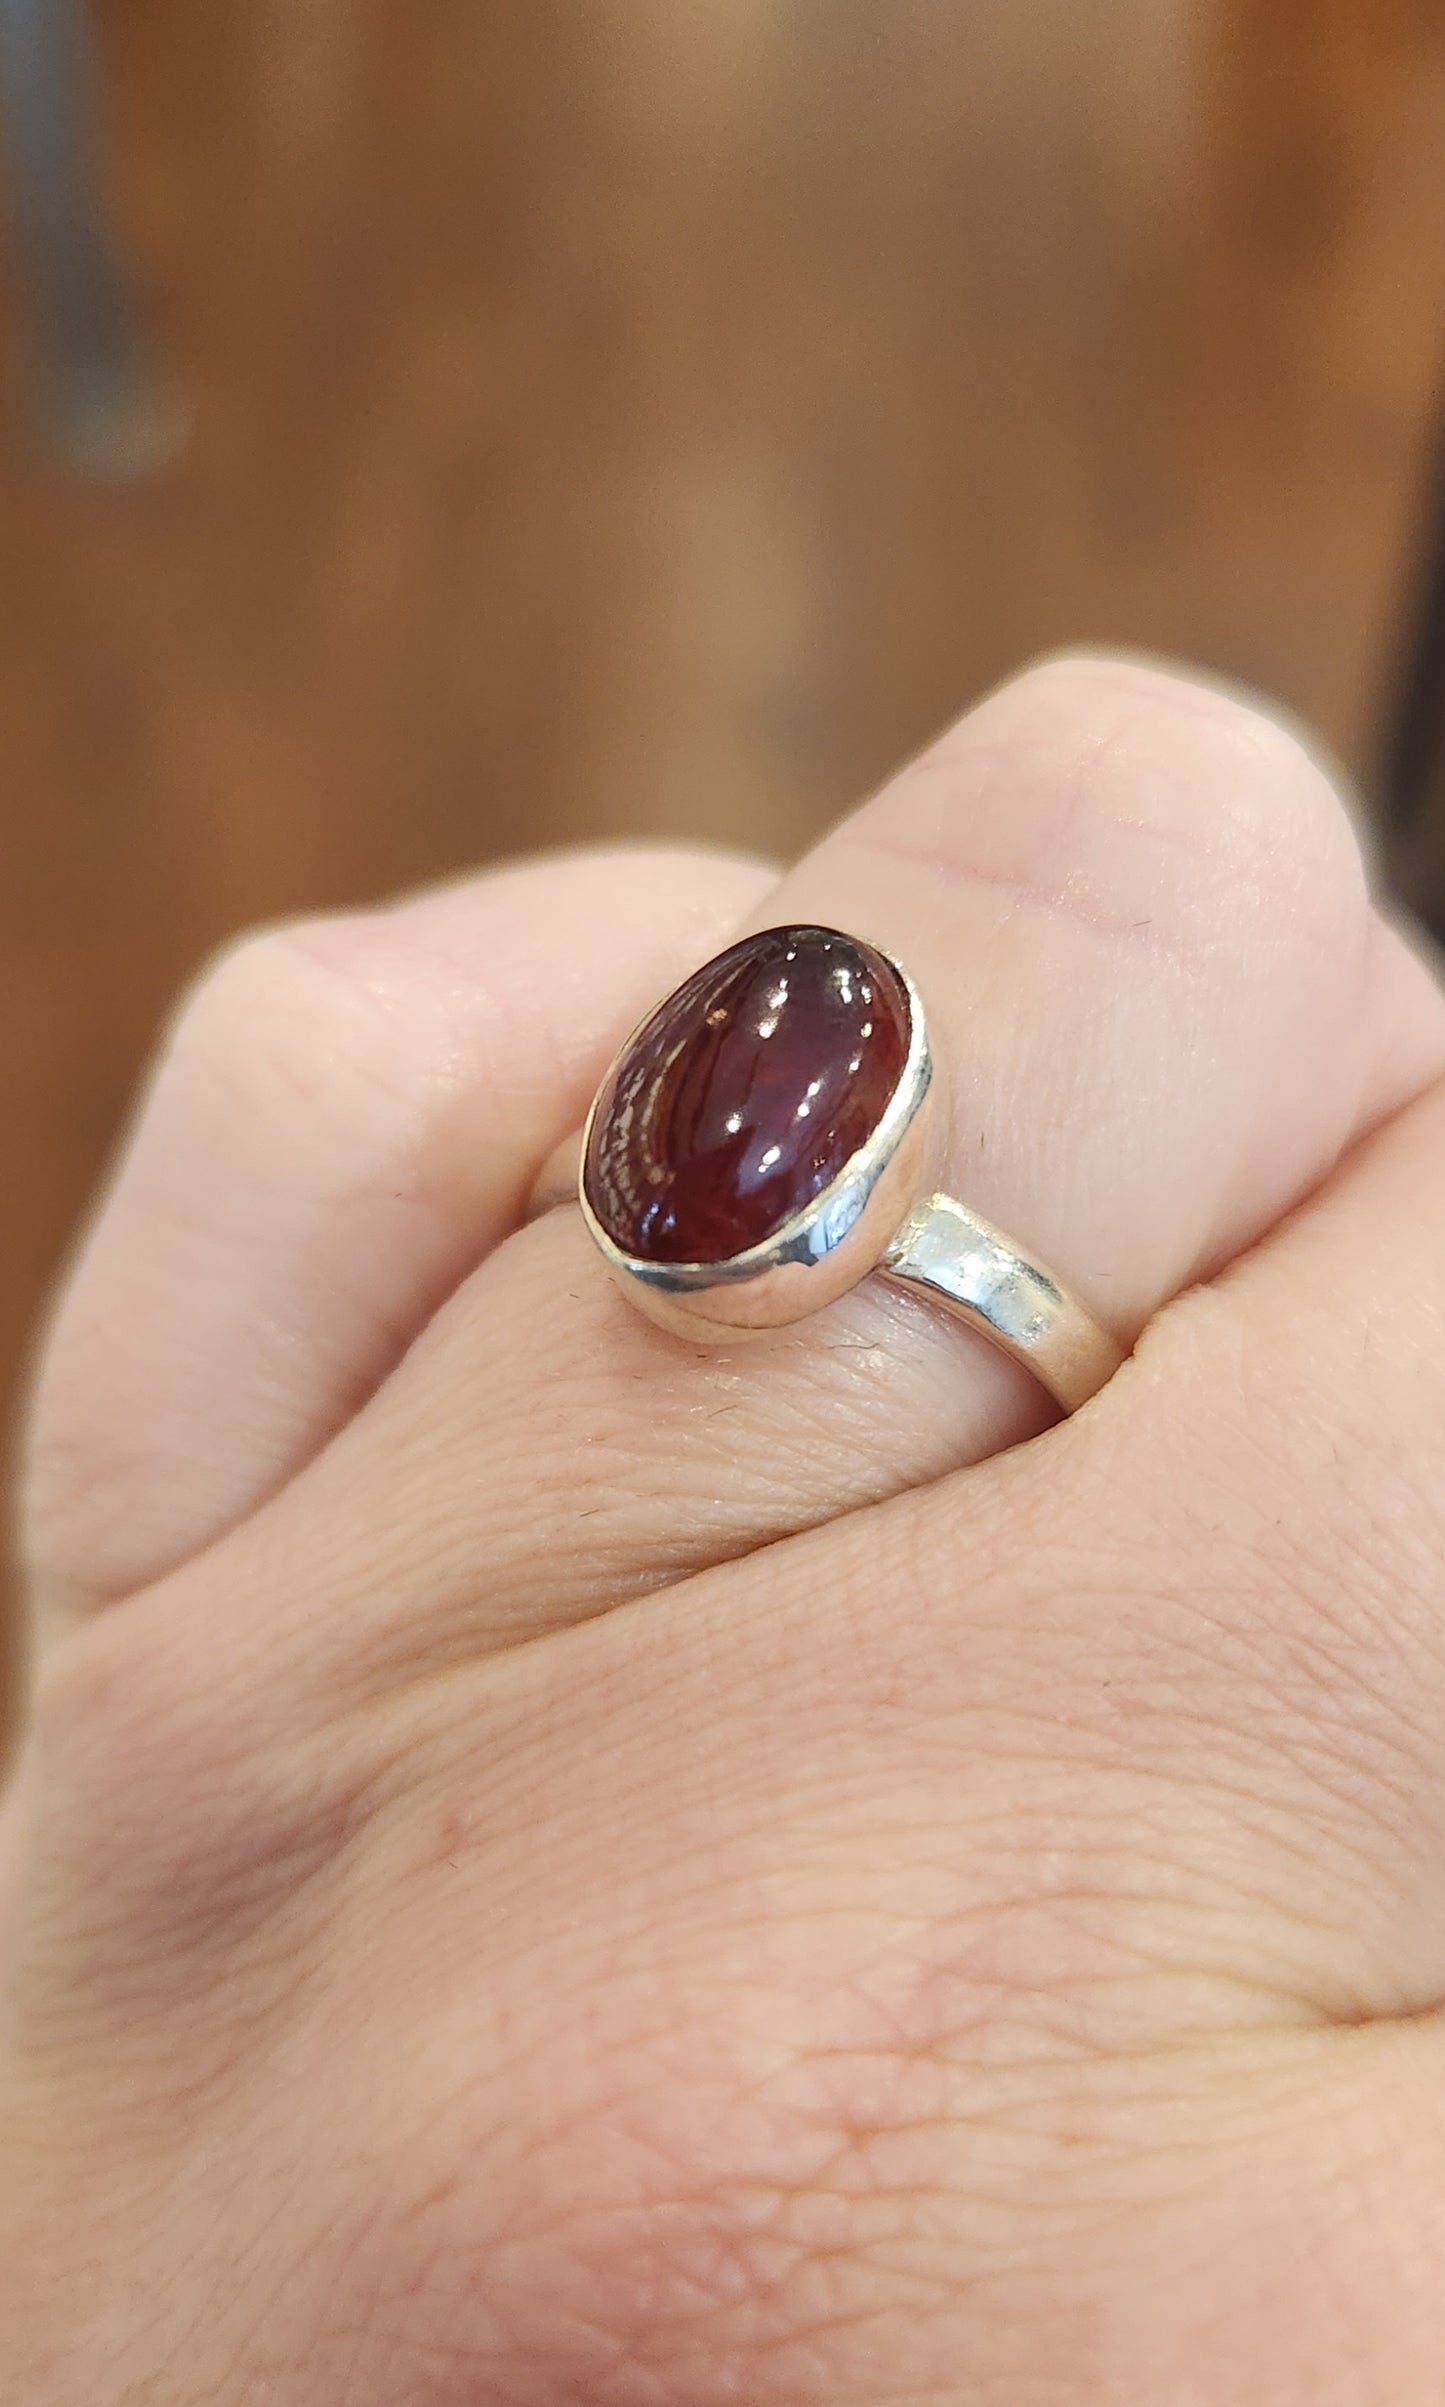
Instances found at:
x=745 y=1094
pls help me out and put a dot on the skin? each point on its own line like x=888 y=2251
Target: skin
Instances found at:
x=552 y=1868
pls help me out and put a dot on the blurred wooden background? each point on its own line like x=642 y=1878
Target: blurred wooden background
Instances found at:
x=640 y=415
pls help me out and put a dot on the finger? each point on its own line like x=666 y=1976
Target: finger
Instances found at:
x=1161 y=1005
x=1301 y=1580
x=347 y=1116
x=1190 y=1657
x=1203 y=1633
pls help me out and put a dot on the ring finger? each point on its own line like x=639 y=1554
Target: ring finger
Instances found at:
x=1161 y=1005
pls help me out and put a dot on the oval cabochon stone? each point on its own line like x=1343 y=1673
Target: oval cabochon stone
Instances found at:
x=745 y=1094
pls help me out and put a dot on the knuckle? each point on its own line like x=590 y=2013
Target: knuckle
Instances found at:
x=284 y=1080
x=248 y=984
x=1149 y=808
x=297 y=1015
x=1218 y=770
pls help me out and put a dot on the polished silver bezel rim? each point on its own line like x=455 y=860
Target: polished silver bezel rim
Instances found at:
x=820 y=1252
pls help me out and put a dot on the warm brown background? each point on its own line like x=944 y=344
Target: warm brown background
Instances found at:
x=658 y=414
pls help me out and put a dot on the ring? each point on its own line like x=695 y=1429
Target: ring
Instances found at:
x=764 y=1141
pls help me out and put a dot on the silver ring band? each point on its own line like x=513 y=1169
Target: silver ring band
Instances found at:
x=947 y=1253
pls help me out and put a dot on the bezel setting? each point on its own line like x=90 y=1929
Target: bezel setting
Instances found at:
x=819 y=1252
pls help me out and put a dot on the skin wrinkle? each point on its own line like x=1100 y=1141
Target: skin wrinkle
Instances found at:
x=600 y=1472
x=785 y=1908
x=1325 y=1768
x=628 y=2238
x=1001 y=1752
x=998 y=763
x=1066 y=903
x=1349 y=1581
x=916 y=2193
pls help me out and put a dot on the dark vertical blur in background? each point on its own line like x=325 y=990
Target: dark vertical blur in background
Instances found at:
x=578 y=416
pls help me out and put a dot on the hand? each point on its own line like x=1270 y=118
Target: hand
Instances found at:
x=555 y=1866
